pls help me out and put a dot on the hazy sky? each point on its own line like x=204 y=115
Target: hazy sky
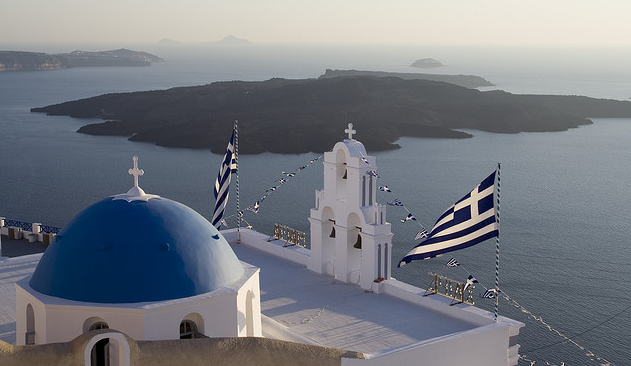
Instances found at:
x=471 y=22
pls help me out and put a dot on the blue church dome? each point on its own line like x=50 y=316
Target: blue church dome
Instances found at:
x=136 y=248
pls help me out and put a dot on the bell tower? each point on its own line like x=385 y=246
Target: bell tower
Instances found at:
x=350 y=238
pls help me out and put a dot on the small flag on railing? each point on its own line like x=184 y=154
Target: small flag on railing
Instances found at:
x=254 y=208
x=384 y=189
x=489 y=294
x=470 y=281
x=421 y=234
x=372 y=173
x=365 y=160
x=452 y=263
x=408 y=218
x=222 y=184
x=396 y=202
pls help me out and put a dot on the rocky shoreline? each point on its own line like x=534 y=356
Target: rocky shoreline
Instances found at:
x=303 y=115
x=37 y=61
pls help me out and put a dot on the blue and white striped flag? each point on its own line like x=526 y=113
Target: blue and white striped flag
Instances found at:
x=452 y=263
x=421 y=234
x=385 y=189
x=222 y=184
x=408 y=218
x=470 y=281
x=489 y=294
x=468 y=222
x=396 y=202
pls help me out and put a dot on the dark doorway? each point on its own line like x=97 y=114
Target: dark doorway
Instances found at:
x=101 y=353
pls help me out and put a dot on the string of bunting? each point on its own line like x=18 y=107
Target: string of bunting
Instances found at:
x=492 y=294
x=287 y=176
x=423 y=233
x=398 y=203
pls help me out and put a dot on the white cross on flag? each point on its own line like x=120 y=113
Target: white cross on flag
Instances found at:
x=468 y=222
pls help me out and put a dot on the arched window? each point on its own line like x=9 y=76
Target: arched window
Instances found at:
x=188 y=329
x=30 y=325
x=94 y=323
x=249 y=314
x=98 y=325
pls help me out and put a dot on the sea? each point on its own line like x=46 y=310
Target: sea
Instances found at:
x=565 y=207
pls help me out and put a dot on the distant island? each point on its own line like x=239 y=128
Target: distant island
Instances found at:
x=231 y=40
x=228 y=40
x=29 y=61
x=467 y=81
x=427 y=63
x=298 y=116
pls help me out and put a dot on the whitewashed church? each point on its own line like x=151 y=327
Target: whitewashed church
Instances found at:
x=138 y=279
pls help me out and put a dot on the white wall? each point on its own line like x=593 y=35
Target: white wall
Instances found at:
x=485 y=346
x=223 y=313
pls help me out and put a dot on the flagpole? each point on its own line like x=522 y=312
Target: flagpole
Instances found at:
x=497 y=244
x=236 y=161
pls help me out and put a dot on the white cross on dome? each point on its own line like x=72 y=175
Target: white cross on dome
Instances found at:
x=135 y=171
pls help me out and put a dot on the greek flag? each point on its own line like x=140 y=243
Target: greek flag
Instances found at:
x=470 y=281
x=408 y=218
x=385 y=189
x=222 y=184
x=421 y=235
x=489 y=294
x=452 y=263
x=468 y=222
x=396 y=202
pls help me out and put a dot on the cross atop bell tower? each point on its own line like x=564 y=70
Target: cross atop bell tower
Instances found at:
x=350 y=131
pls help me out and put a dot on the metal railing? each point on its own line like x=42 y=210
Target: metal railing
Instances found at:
x=289 y=235
x=26 y=226
x=458 y=291
x=49 y=229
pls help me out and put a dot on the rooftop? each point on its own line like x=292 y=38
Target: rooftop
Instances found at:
x=300 y=305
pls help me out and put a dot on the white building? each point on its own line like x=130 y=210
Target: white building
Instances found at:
x=153 y=269
x=144 y=265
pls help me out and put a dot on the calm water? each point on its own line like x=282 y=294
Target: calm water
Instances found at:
x=565 y=202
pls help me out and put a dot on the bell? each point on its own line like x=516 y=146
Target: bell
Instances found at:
x=332 y=235
x=358 y=243
x=345 y=176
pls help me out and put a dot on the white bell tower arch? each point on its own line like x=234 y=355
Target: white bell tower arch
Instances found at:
x=350 y=237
